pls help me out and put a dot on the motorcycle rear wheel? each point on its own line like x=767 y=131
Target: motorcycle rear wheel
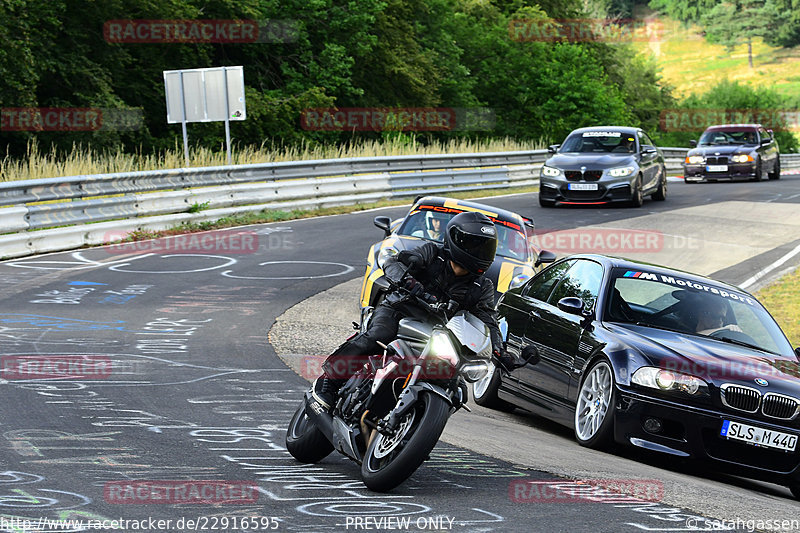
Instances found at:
x=391 y=460
x=304 y=441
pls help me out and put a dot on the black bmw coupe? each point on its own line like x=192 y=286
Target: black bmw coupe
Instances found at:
x=656 y=358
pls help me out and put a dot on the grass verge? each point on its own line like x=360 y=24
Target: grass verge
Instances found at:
x=782 y=298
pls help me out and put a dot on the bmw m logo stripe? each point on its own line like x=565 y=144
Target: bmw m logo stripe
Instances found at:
x=632 y=274
x=640 y=275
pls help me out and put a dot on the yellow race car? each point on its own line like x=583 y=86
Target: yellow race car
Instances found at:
x=516 y=259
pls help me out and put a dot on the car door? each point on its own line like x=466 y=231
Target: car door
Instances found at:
x=557 y=333
x=649 y=163
x=517 y=306
x=768 y=151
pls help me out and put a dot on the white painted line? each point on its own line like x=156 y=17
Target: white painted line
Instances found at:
x=763 y=272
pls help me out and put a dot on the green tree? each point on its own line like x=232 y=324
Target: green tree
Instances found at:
x=734 y=22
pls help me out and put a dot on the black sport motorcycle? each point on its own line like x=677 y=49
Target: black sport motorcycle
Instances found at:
x=390 y=414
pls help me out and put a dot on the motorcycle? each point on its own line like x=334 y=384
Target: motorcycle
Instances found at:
x=390 y=414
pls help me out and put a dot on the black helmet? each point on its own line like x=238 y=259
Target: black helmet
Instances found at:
x=471 y=240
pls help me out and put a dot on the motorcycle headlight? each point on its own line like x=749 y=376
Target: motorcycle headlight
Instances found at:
x=550 y=171
x=668 y=380
x=440 y=345
x=695 y=160
x=385 y=253
x=620 y=172
x=742 y=158
x=475 y=371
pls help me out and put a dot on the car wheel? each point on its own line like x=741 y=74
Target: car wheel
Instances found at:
x=776 y=170
x=546 y=203
x=661 y=193
x=594 y=410
x=484 y=391
x=637 y=197
x=759 y=171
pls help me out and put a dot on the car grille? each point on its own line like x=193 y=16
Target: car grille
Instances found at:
x=749 y=400
x=722 y=160
x=779 y=406
x=742 y=398
x=588 y=175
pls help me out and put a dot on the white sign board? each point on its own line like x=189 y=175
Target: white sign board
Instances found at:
x=205 y=95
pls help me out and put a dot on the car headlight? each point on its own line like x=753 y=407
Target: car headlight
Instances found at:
x=668 y=380
x=385 y=253
x=550 y=171
x=742 y=158
x=518 y=280
x=695 y=160
x=620 y=172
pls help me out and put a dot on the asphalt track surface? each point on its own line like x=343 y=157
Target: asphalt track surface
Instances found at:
x=177 y=382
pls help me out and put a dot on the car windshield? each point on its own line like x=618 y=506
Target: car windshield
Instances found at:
x=713 y=138
x=668 y=302
x=600 y=142
x=430 y=225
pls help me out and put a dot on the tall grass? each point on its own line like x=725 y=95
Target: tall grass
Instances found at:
x=81 y=160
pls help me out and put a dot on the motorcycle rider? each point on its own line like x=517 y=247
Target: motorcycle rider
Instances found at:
x=450 y=271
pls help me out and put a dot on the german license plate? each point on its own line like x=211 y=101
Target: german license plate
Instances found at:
x=717 y=168
x=583 y=186
x=758 y=436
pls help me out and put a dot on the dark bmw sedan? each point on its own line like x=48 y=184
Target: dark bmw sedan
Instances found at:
x=601 y=165
x=656 y=358
x=733 y=152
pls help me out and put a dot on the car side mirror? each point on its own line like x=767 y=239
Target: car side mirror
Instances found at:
x=571 y=305
x=383 y=223
x=766 y=141
x=648 y=149
x=693 y=143
x=545 y=257
x=553 y=148
x=797 y=353
x=530 y=355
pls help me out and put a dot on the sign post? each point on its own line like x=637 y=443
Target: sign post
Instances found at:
x=205 y=95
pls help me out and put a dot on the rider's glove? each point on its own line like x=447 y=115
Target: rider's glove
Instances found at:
x=413 y=286
x=506 y=361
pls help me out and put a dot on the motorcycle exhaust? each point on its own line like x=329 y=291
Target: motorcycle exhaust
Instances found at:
x=334 y=429
x=319 y=416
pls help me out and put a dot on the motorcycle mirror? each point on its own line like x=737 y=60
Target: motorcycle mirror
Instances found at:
x=545 y=256
x=571 y=305
x=383 y=223
x=530 y=355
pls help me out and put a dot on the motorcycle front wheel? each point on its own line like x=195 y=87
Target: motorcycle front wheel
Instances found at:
x=304 y=441
x=391 y=460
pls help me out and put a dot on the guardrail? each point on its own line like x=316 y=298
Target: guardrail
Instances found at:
x=161 y=199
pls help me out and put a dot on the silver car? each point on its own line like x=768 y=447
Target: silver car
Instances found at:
x=601 y=165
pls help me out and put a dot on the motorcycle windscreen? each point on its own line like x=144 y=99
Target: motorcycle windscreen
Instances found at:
x=472 y=333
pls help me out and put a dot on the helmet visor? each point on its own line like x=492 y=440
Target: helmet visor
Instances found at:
x=480 y=246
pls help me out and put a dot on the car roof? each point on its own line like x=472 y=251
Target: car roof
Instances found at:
x=719 y=127
x=466 y=205
x=622 y=129
x=619 y=262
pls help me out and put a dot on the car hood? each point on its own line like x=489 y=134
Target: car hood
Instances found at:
x=723 y=149
x=575 y=160
x=714 y=361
